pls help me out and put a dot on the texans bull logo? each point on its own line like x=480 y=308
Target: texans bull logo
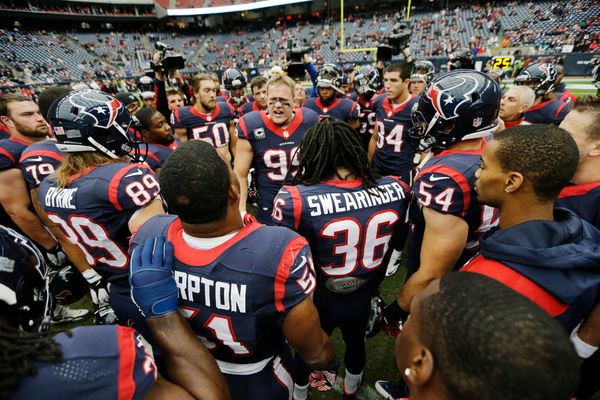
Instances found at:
x=548 y=70
x=104 y=113
x=443 y=100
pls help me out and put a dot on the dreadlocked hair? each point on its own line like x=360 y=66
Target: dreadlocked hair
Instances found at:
x=330 y=145
x=19 y=352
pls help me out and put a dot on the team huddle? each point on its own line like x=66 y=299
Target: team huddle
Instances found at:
x=224 y=241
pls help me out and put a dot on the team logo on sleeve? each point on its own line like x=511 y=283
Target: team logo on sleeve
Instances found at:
x=442 y=97
x=259 y=133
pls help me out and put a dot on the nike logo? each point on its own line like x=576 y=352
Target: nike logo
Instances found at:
x=34 y=159
x=434 y=178
x=299 y=266
x=136 y=173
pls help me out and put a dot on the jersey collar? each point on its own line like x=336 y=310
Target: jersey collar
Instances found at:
x=284 y=133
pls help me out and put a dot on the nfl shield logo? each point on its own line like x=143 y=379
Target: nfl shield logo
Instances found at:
x=477 y=122
x=259 y=133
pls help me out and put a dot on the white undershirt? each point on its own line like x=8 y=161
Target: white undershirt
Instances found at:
x=206 y=243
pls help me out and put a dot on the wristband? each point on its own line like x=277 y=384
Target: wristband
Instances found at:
x=583 y=349
x=91 y=276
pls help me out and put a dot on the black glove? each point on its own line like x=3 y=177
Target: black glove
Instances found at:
x=392 y=318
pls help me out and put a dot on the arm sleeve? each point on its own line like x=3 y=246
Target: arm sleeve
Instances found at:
x=442 y=193
x=283 y=209
x=295 y=278
x=133 y=187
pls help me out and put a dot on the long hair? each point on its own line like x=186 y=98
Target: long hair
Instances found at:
x=19 y=352
x=76 y=163
x=328 y=146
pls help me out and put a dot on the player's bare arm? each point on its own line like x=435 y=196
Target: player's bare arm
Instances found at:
x=373 y=143
x=302 y=330
x=190 y=364
x=443 y=242
x=241 y=166
x=155 y=207
x=15 y=200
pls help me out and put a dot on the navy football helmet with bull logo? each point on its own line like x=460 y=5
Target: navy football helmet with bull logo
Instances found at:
x=92 y=121
x=459 y=105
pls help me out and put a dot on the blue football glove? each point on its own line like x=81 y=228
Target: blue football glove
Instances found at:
x=153 y=288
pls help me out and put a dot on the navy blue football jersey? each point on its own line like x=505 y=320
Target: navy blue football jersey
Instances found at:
x=213 y=128
x=236 y=295
x=158 y=154
x=548 y=112
x=4 y=132
x=367 y=119
x=94 y=209
x=249 y=107
x=237 y=108
x=38 y=161
x=446 y=184
x=347 y=226
x=342 y=108
x=10 y=152
x=583 y=200
x=393 y=153
x=99 y=363
x=275 y=152
x=352 y=95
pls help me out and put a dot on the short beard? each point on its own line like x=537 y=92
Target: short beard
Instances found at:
x=33 y=133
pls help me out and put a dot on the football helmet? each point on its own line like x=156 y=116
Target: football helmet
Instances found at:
x=24 y=294
x=145 y=85
x=461 y=60
x=68 y=285
x=234 y=79
x=459 y=105
x=92 y=121
x=543 y=75
x=423 y=70
x=331 y=75
x=367 y=81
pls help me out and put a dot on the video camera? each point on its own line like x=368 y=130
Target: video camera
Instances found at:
x=170 y=59
x=395 y=42
x=294 y=56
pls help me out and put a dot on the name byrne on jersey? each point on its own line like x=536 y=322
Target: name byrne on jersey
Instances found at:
x=330 y=203
x=60 y=198
x=211 y=293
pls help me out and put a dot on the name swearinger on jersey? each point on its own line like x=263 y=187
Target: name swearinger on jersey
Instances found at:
x=216 y=294
x=60 y=198
x=330 y=203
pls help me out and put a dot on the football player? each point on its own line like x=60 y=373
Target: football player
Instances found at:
x=541 y=77
x=423 y=72
x=389 y=150
x=583 y=195
x=107 y=362
x=367 y=84
x=446 y=218
x=244 y=299
x=335 y=195
x=21 y=115
x=445 y=349
x=330 y=101
x=258 y=86
x=268 y=142
x=583 y=198
x=158 y=135
x=208 y=119
x=557 y=253
x=235 y=83
x=513 y=105
x=96 y=197
x=175 y=99
x=560 y=89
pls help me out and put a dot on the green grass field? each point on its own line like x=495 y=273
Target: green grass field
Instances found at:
x=380 y=349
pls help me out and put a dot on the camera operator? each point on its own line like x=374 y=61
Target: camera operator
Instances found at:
x=398 y=41
x=166 y=63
